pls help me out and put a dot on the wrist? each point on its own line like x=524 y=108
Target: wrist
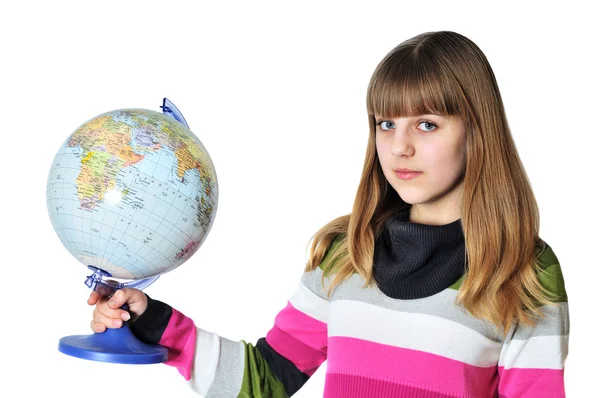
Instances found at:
x=151 y=324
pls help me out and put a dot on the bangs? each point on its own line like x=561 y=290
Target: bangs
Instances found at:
x=410 y=84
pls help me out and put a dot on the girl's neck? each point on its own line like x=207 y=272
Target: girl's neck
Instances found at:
x=436 y=217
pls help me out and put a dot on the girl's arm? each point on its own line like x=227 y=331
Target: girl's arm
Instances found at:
x=532 y=359
x=277 y=366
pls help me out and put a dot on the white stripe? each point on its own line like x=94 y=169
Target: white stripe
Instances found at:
x=540 y=352
x=206 y=359
x=414 y=331
x=308 y=302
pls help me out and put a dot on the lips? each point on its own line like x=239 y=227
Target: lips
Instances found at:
x=406 y=174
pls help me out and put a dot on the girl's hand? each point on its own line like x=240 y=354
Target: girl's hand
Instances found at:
x=108 y=313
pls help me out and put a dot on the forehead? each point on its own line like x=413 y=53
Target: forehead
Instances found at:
x=406 y=88
x=411 y=103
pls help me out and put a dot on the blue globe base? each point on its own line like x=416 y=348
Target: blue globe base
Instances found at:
x=115 y=346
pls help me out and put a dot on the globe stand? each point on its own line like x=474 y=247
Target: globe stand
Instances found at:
x=113 y=345
x=118 y=345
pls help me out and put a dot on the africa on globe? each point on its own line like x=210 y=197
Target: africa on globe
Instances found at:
x=132 y=192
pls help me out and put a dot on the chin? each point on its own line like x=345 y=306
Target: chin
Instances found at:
x=412 y=198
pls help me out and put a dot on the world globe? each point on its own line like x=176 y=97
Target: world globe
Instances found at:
x=132 y=194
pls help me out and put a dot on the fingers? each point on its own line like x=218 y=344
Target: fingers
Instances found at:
x=97 y=327
x=105 y=317
x=112 y=320
x=108 y=312
x=94 y=297
x=103 y=307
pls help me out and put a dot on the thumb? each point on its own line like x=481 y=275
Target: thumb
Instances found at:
x=117 y=300
x=134 y=298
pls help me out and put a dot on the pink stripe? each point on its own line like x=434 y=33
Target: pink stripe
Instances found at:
x=308 y=330
x=350 y=356
x=180 y=338
x=299 y=338
x=531 y=383
x=345 y=386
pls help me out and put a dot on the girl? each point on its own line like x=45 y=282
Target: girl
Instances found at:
x=435 y=285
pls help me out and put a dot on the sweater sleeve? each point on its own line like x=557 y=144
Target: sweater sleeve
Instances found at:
x=278 y=365
x=532 y=359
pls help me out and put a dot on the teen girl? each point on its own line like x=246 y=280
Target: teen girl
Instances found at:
x=435 y=285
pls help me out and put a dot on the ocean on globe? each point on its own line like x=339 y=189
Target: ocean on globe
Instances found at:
x=132 y=192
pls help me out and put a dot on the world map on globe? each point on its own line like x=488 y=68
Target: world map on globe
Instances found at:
x=132 y=192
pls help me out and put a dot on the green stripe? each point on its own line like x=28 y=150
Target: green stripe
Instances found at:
x=457 y=284
x=552 y=280
x=547 y=256
x=258 y=381
x=325 y=263
x=550 y=276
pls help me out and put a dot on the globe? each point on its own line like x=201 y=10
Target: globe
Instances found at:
x=132 y=194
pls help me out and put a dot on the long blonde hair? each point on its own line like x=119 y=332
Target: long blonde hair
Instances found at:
x=446 y=73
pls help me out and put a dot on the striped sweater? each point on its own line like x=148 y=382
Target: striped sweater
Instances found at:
x=375 y=346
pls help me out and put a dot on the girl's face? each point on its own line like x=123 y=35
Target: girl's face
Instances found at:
x=434 y=147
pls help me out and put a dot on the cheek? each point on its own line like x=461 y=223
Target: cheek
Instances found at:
x=445 y=162
x=380 y=147
x=460 y=157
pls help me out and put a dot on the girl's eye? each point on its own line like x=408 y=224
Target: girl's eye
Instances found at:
x=428 y=126
x=386 y=125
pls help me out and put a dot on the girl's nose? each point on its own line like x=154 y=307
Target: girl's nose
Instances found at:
x=402 y=142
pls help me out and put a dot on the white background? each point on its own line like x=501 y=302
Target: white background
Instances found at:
x=276 y=92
